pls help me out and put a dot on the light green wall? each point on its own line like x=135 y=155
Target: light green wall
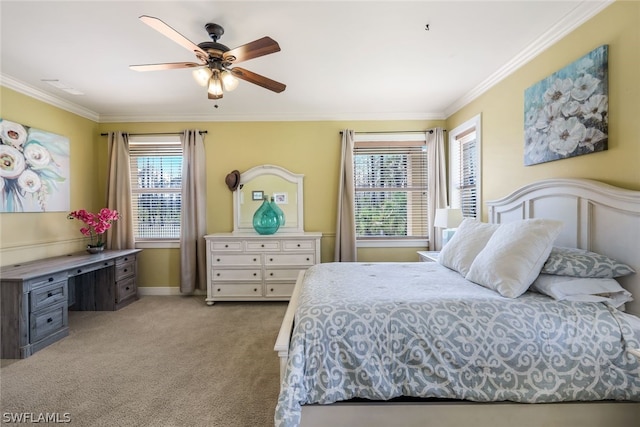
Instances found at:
x=312 y=148
x=27 y=236
x=503 y=118
x=309 y=148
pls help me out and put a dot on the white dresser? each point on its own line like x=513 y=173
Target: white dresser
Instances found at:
x=253 y=267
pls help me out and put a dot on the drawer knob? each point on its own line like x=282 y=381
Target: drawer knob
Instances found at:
x=307 y=259
x=271 y=289
x=262 y=246
x=255 y=289
x=51 y=279
x=298 y=244
x=49 y=320
x=79 y=271
x=255 y=274
x=255 y=259
x=217 y=259
x=49 y=295
x=127 y=288
x=226 y=246
x=105 y=264
x=126 y=259
x=125 y=270
x=218 y=289
x=218 y=274
x=270 y=259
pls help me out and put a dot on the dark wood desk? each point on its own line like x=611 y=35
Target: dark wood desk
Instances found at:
x=35 y=296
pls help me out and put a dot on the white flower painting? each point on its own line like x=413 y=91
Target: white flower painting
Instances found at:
x=566 y=114
x=34 y=169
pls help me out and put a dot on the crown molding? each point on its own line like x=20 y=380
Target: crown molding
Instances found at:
x=578 y=16
x=272 y=118
x=32 y=92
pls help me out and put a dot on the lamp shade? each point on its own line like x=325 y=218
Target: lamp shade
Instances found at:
x=448 y=218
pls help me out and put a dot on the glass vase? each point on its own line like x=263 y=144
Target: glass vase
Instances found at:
x=278 y=211
x=265 y=219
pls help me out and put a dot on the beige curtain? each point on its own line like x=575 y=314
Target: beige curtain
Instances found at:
x=193 y=263
x=437 y=182
x=120 y=235
x=346 y=250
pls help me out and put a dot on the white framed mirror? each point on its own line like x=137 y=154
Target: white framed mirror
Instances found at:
x=272 y=181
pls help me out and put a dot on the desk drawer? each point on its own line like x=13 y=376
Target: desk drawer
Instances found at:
x=307 y=259
x=48 y=321
x=125 y=289
x=236 y=259
x=50 y=294
x=47 y=280
x=125 y=269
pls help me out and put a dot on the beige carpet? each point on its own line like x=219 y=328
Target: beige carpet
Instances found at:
x=161 y=361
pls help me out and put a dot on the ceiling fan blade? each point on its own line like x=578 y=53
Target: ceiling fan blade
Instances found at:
x=214 y=96
x=254 y=49
x=257 y=79
x=165 y=66
x=166 y=30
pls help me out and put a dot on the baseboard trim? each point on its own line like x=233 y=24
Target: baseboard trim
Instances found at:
x=164 y=291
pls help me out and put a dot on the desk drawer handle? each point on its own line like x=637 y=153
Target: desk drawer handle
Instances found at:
x=125 y=270
x=270 y=274
x=79 y=271
x=271 y=289
x=226 y=246
x=255 y=274
x=49 y=295
x=262 y=246
x=127 y=288
x=217 y=259
x=308 y=259
x=218 y=289
x=51 y=279
x=106 y=264
x=49 y=320
x=126 y=259
x=255 y=289
x=298 y=244
x=255 y=259
x=271 y=259
x=218 y=274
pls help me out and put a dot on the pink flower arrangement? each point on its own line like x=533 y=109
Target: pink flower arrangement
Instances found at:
x=97 y=224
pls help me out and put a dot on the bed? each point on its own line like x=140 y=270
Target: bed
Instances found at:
x=450 y=350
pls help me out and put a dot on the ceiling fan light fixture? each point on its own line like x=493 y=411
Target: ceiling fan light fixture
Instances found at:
x=202 y=76
x=215 y=84
x=229 y=81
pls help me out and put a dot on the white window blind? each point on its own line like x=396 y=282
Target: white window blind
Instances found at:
x=156 y=184
x=465 y=174
x=391 y=189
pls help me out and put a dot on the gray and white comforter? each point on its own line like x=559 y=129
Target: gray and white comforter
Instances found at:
x=379 y=331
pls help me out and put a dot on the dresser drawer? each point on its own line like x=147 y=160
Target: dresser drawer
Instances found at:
x=125 y=269
x=233 y=259
x=126 y=288
x=48 y=321
x=299 y=245
x=226 y=245
x=250 y=274
x=290 y=259
x=280 y=289
x=49 y=294
x=237 y=290
x=281 y=274
x=263 y=245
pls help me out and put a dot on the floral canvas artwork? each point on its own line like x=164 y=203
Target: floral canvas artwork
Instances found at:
x=566 y=114
x=34 y=169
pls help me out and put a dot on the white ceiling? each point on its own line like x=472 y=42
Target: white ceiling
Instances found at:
x=340 y=60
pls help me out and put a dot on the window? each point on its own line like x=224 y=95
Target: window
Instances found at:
x=390 y=173
x=464 y=155
x=156 y=184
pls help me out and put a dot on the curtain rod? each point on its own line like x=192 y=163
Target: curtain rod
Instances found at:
x=399 y=131
x=157 y=133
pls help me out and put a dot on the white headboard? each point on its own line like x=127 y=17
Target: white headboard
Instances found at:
x=597 y=217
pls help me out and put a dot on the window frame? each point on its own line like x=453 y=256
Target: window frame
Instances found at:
x=411 y=137
x=457 y=137
x=160 y=242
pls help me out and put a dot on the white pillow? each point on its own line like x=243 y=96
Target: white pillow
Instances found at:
x=587 y=289
x=514 y=256
x=467 y=242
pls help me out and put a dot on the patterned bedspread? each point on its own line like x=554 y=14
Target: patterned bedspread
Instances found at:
x=383 y=330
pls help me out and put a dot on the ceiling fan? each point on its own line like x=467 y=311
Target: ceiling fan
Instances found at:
x=214 y=69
